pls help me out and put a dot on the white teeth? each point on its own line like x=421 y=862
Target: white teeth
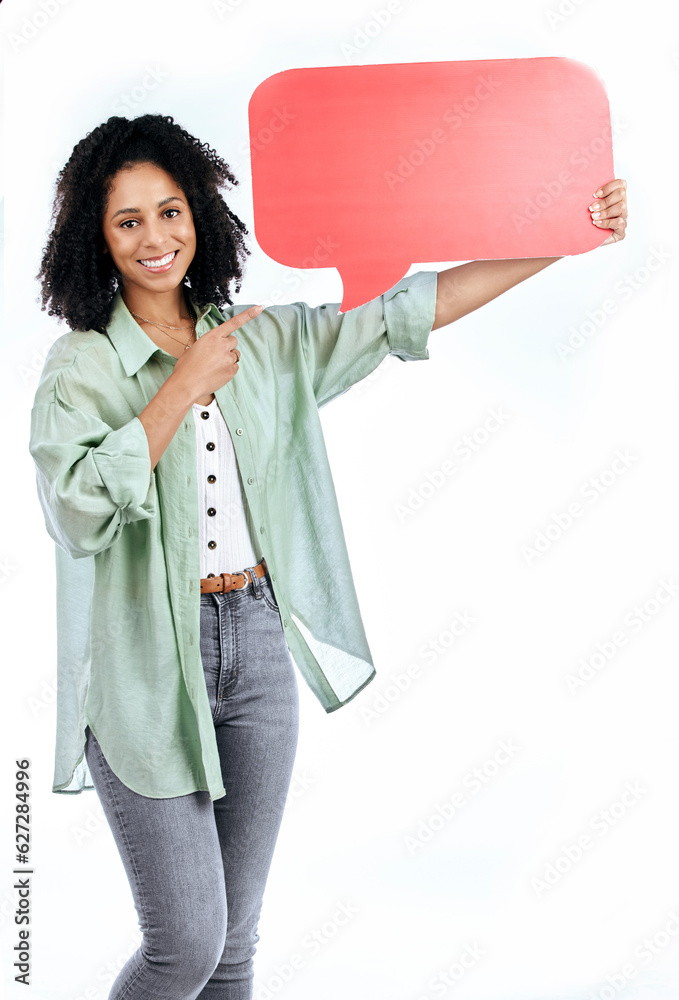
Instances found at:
x=159 y=263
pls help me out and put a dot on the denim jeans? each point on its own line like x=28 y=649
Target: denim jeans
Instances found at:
x=197 y=868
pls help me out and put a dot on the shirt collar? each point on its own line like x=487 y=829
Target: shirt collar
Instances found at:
x=135 y=347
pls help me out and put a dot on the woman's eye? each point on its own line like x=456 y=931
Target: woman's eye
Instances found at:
x=126 y=223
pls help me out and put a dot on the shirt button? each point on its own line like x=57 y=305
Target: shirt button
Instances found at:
x=205 y=414
x=191 y=644
x=188 y=480
x=285 y=622
x=239 y=430
x=210 y=446
x=261 y=531
x=211 y=511
x=250 y=480
x=190 y=532
x=212 y=545
x=212 y=479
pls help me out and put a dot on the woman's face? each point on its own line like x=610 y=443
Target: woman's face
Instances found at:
x=147 y=217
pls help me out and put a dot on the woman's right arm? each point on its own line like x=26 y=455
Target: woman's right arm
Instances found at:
x=163 y=415
x=205 y=367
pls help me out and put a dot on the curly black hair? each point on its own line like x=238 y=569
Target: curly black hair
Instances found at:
x=78 y=279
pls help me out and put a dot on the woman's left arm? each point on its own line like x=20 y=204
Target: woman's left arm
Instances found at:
x=464 y=288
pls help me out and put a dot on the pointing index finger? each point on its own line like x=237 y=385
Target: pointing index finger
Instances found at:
x=236 y=321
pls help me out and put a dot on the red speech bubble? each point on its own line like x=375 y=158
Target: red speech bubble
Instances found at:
x=370 y=169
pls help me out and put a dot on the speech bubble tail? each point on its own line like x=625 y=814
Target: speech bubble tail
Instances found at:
x=363 y=281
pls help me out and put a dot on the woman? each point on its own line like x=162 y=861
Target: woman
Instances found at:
x=198 y=539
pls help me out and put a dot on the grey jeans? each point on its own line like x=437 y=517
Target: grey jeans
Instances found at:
x=197 y=868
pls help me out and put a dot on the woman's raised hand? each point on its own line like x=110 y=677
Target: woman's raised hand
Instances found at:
x=212 y=360
x=609 y=209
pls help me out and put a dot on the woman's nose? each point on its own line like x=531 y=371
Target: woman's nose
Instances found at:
x=154 y=234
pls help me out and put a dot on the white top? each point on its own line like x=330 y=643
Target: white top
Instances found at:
x=226 y=531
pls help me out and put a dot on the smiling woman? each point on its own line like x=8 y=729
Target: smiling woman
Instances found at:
x=179 y=492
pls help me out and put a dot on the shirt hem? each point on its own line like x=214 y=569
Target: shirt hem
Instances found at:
x=63 y=788
x=333 y=708
x=149 y=795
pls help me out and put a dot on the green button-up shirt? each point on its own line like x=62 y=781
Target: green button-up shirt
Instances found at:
x=127 y=537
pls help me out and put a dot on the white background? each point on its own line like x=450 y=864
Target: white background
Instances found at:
x=365 y=783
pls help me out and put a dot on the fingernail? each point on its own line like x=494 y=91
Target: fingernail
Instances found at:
x=597 y=194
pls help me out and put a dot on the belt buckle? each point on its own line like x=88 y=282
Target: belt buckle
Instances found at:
x=232 y=575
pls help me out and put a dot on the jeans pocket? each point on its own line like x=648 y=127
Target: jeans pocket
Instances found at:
x=268 y=595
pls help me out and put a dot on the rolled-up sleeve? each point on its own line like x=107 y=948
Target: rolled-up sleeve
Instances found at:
x=341 y=349
x=409 y=309
x=92 y=478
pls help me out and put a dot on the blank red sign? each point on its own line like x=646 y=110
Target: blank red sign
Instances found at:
x=371 y=169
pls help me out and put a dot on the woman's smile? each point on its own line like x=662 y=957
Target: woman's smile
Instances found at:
x=159 y=263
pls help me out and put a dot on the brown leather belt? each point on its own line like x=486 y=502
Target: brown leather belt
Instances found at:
x=225 y=582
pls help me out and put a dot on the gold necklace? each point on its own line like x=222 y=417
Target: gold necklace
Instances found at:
x=159 y=325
